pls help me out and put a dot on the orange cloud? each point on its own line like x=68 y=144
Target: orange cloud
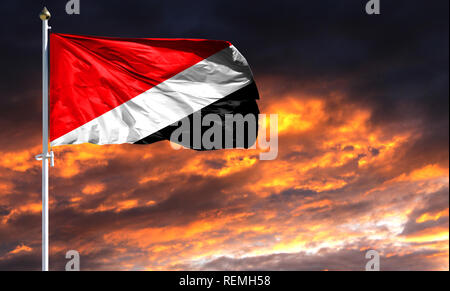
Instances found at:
x=426 y=173
x=93 y=189
x=20 y=249
x=314 y=197
x=21 y=161
x=430 y=235
x=432 y=216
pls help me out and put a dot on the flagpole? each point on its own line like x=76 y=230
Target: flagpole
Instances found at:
x=45 y=156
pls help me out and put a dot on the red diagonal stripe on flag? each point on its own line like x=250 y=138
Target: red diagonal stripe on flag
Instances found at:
x=90 y=76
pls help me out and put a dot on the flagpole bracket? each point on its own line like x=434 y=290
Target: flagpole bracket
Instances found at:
x=49 y=156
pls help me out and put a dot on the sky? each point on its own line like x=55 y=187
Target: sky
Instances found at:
x=363 y=159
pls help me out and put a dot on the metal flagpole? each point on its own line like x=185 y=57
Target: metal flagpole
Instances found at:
x=46 y=155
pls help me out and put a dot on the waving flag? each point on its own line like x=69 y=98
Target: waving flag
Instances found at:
x=120 y=90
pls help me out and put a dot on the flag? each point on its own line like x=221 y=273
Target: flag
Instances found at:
x=137 y=90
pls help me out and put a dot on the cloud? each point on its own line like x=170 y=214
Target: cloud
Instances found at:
x=363 y=147
x=326 y=260
x=133 y=207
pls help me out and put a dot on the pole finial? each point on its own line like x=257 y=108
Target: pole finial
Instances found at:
x=45 y=14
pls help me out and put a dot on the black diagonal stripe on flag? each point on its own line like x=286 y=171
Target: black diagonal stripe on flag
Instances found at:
x=241 y=102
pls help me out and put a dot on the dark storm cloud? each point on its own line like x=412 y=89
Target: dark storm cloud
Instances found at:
x=326 y=259
x=432 y=204
x=396 y=64
x=22 y=262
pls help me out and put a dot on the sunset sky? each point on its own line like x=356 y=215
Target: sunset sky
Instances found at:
x=363 y=157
